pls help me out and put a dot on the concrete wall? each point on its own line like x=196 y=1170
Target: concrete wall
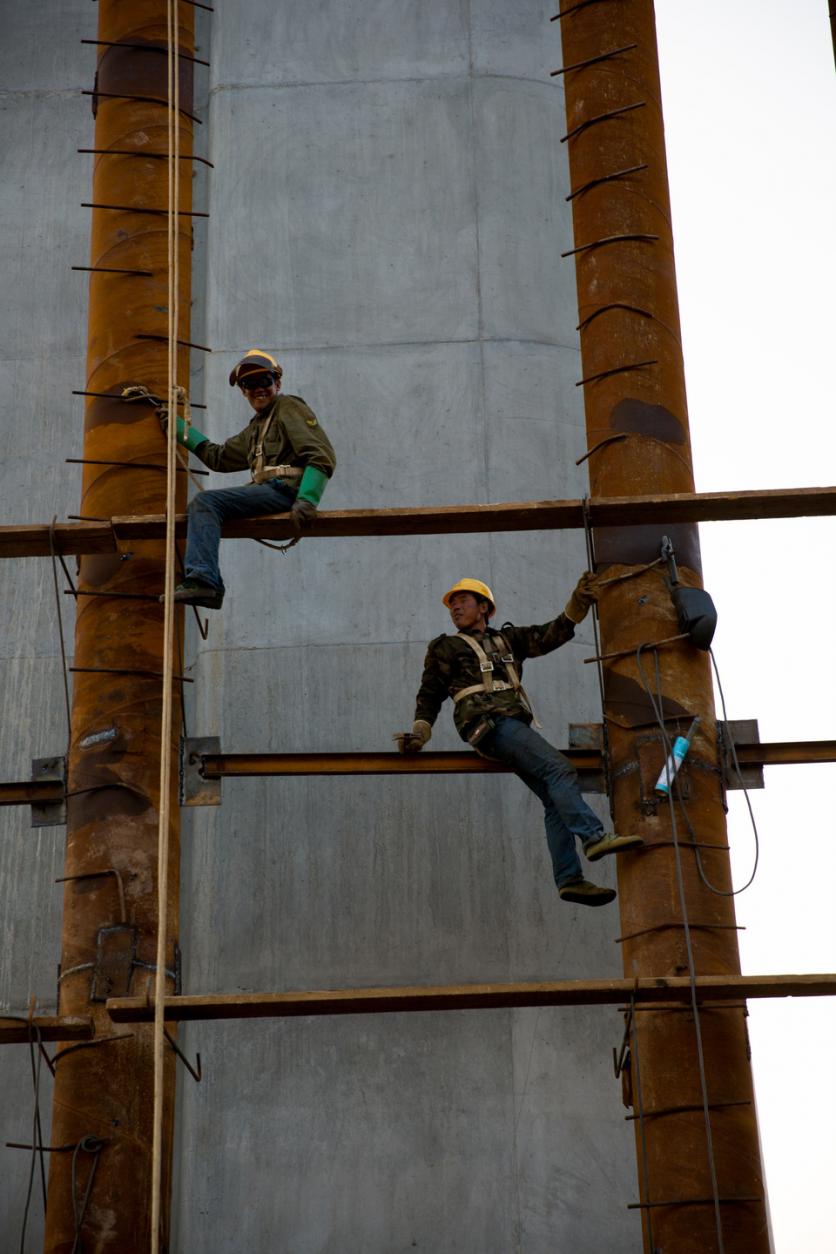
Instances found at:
x=387 y=215
x=43 y=231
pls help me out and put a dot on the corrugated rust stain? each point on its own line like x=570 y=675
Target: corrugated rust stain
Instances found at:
x=627 y=703
x=114 y=782
x=640 y=416
x=143 y=71
x=628 y=315
x=633 y=546
x=102 y=411
x=104 y=801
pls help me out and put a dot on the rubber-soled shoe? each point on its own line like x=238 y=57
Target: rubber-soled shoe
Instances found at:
x=610 y=843
x=582 y=893
x=195 y=592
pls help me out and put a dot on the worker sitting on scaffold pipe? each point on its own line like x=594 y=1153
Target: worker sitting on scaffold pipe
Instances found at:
x=288 y=455
x=480 y=669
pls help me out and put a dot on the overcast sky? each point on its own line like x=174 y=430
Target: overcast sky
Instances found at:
x=748 y=92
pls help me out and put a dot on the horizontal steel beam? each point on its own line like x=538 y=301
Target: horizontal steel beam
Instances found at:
x=14 y=1030
x=786 y=752
x=223 y=765
x=354 y=1001
x=587 y=762
x=32 y=792
x=33 y=540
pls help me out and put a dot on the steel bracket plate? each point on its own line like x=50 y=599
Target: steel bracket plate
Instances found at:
x=114 y=962
x=195 y=789
x=739 y=731
x=49 y=813
x=589 y=736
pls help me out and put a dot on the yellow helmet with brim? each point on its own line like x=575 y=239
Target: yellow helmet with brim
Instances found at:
x=475 y=586
x=256 y=361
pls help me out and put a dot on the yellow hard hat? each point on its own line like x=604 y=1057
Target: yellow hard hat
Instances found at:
x=256 y=361
x=475 y=586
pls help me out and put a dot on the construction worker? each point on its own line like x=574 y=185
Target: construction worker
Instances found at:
x=288 y=455
x=480 y=669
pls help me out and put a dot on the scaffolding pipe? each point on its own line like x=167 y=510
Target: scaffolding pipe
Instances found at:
x=114 y=758
x=637 y=429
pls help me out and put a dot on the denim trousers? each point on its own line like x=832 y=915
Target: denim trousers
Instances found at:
x=208 y=511
x=554 y=780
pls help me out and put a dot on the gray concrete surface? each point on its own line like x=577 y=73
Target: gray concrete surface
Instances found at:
x=43 y=231
x=387 y=216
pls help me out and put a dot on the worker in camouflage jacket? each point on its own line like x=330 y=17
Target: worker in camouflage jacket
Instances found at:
x=480 y=668
x=288 y=455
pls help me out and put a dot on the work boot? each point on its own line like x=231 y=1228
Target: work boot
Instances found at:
x=196 y=592
x=610 y=843
x=582 y=893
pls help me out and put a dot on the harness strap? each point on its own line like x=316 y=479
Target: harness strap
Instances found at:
x=498 y=686
x=277 y=472
x=489 y=684
x=258 y=450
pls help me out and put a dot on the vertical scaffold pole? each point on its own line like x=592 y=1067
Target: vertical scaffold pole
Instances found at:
x=700 y=1174
x=103 y=1100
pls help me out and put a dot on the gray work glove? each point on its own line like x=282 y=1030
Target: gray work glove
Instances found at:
x=414 y=741
x=584 y=595
x=302 y=514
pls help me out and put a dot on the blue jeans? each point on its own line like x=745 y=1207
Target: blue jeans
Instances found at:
x=554 y=780
x=209 y=510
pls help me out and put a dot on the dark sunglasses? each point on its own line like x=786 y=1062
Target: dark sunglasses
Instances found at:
x=253 y=381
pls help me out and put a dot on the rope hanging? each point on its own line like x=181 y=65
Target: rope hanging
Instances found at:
x=168 y=621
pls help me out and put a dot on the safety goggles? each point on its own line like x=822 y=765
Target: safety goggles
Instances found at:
x=251 y=382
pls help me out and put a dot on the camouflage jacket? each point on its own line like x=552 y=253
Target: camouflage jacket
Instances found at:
x=451 y=665
x=294 y=438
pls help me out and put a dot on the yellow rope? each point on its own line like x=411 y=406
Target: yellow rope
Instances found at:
x=172 y=19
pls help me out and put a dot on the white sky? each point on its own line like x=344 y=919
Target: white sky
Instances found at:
x=749 y=92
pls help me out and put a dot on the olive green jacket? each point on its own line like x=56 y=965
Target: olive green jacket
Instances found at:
x=451 y=665
x=294 y=438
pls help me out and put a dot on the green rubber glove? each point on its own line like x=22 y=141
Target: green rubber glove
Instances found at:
x=190 y=439
x=312 y=485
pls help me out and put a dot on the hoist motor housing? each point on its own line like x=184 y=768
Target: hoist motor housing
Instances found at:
x=696 y=614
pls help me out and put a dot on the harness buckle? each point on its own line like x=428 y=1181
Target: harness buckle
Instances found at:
x=485 y=666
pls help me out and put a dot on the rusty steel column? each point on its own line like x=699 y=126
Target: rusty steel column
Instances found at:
x=105 y=1090
x=637 y=425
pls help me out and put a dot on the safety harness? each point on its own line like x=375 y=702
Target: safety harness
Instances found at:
x=262 y=473
x=489 y=684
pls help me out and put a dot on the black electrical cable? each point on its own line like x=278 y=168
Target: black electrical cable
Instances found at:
x=658 y=710
x=680 y=800
x=721 y=892
x=37 y=1138
x=91 y=1145
x=60 y=631
x=635 y=1061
